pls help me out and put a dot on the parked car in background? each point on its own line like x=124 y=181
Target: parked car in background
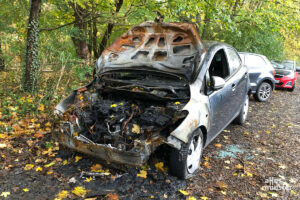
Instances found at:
x=285 y=74
x=261 y=74
x=157 y=84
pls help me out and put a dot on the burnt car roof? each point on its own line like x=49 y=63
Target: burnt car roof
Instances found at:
x=170 y=47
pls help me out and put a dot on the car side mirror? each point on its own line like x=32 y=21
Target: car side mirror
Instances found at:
x=217 y=82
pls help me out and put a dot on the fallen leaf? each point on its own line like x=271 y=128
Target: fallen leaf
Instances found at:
x=227 y=161
x=160 y=166
x=183 y=192
x=203 y=198
x=38 y=169
x=142 y=174
x=4 y=194
x=113 y=196
x=191 y=198
x=77 y=158
x=79 y=191
x=223 y=192
x=268 y=132
x=136 y=129
x=239 y=166
x=218 y=145
x=63 y=194
x=97 y=168
x=50 y=164
x=207 y=165
x=88 y=179
x=41 y=107
x=28 y=167
x=249 y=174
x=293 y=192
x=2 y=146
x=221 y=185
x=65 y=162
x=26 y=190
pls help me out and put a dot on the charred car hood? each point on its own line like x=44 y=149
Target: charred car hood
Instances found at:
x=170 y=47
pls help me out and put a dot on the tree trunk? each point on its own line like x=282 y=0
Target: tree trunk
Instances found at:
x=108 y=30
x=32 y=47
x=79 y=38
x=2 y=64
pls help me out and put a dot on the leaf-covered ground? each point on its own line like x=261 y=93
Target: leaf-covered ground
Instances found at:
x=259 y=160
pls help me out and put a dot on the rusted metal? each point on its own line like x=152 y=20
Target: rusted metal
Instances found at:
x=170 y=47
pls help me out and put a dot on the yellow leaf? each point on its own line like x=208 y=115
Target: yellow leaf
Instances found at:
x=77 y=158
x=26 y=190
x=160 y=166
x=268 y=132
x=249 y=174
x=65 y=162
x=38 y=169
x=191 y=198
x=183 y=192
x=136 y=129
x=88 y=179
x=245 y=133
x=193 y=20
x=142 y=174
x=41 y=107
x=293 y=192
x=223 y=192
x=28 y=167
x=97 y=168
x=63 y=194
x=239 y=166
x=203 y=198
x=4 y=194
x=50 y=172
x=113 y=105
x=50 y=164
x=79 y=191
x=48 y=124
x=235 y=174
x=177 y=103
x=218 y=145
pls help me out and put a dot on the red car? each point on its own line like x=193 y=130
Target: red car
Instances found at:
x=285 y=74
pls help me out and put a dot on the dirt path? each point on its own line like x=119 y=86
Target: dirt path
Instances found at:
x=259 y=160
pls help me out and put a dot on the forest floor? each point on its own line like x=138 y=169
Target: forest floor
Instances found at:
x=258 y=160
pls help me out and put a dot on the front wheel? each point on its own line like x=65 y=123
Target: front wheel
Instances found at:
x=184 y=162
x=263 y=92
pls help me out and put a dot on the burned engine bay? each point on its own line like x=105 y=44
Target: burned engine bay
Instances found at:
x=123 y=110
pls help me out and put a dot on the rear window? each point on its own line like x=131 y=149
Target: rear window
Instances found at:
x=254 y=61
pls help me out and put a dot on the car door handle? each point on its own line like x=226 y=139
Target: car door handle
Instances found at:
x=233 y=86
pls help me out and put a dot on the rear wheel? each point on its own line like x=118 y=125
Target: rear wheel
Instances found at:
x=241 y=118
x=263 y=92
x=184 y=162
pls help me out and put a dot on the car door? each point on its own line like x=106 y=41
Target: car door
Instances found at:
x=239 y=76
x=219 y=100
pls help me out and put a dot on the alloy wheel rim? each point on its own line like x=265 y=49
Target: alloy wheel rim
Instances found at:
x=245 y=108
x=265 y=91
x=194 y=152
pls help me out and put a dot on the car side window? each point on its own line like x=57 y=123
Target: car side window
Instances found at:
x=234 y=60
x=218 y=67
x=254 y=61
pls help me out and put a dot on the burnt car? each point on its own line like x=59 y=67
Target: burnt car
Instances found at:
x=261 y=74
x=157 y=84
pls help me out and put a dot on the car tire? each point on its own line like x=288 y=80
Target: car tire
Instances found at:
x=263 y=92
x=293 y=88
x=186 y=161
x=242 y=117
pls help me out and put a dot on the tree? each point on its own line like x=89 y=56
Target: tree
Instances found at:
x=2 y=64
x=32 y=47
